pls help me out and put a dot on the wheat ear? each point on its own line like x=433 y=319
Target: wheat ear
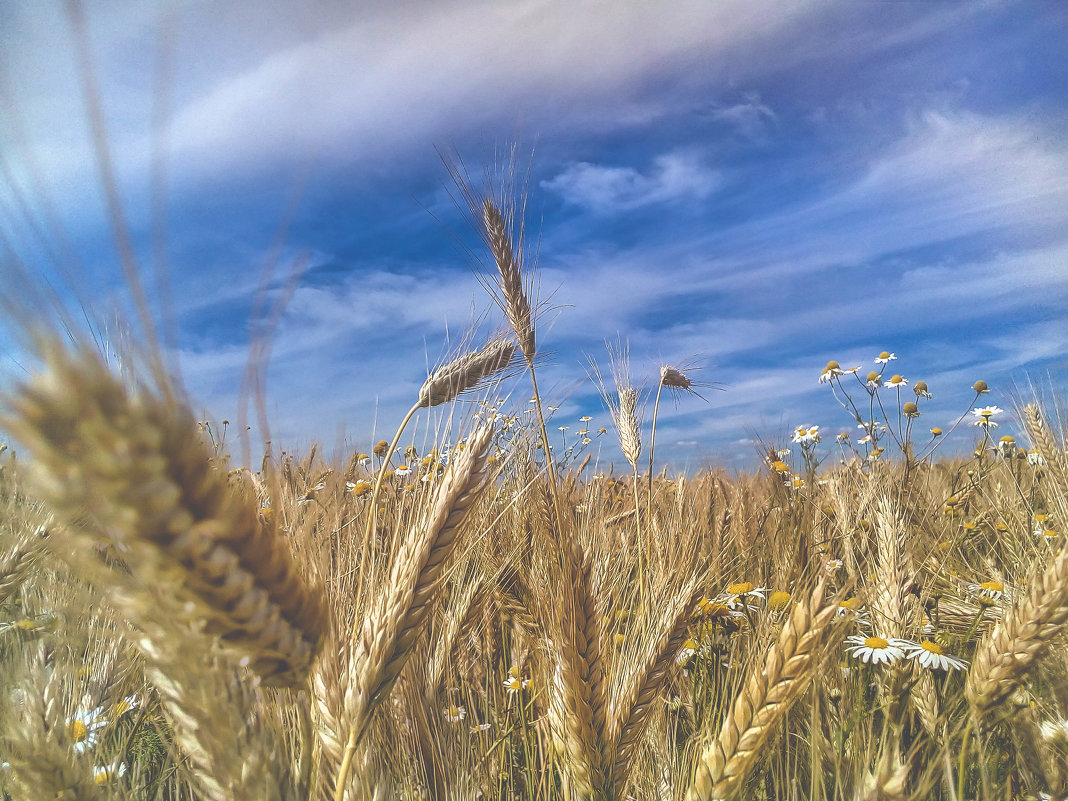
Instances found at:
x=630 y=715
x=788 y=668
x=1052 y=454
x=513 y=294
x=391 y=628
x=577 y=701
x=1020 y=638
x=133 y=468
x=466 y=372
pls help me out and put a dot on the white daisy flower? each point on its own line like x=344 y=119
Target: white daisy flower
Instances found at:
x=481 y=727
x=84 y=727
x=931 y=656
x=885 y=357
x=876 y=650
x=897 y=381
x=832 y=565
x=102 y=774
x=515 y=682
x=454 y=714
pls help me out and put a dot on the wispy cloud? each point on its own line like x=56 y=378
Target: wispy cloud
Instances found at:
x=604 y=189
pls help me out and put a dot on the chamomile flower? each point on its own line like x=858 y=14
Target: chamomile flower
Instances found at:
x=102 y=774
x=896 y=382
x=454 y=714
x=885 y=357
x=930 y=655
x=127 y=704
x=585 y=418
x=1007 y=445
x=831 y=371
x=832 y=565
x=84 y=728
x=515 y=681
x=994 y=590
x=358 y=488
x=481 y=727
x=739 y=595
x=689 y=648
x=920 y=388
x=779 y=600
x=983 y=415
x=874 y=380
x=806 y=435
x=1034 y=458
x=403 y=470
x=876 y=650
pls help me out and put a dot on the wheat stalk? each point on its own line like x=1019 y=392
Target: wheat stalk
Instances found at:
x=1020 y=638
x=466 y=372
x=132 y=468
x=1052 y=454
x=769 y=693
x=577 y=705
x=391 y=628
x=631 y=710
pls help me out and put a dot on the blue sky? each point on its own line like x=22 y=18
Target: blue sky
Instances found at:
x=755 y=187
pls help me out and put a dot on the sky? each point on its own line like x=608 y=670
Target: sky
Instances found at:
x=749 y=188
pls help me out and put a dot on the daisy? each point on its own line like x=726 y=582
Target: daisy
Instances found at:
x=1034 y=458
x=897 y=382
x=1007 y=445
x=585 y=418
x=689 y=648
x=804 y=435
x=930 y=655
x=983 y=415
x=832 y=565
x=454 y=714
x=403 y=470
x=779 y=600
x=885 y=357
x=127 y=704
x=84 y=727
x=102 y=774
x=920 y=388
x=876 y=650
x=831 y=371
x=874 y=380
x=481 y=727
x=515 y=682
x=738 y=595
x=994 y=590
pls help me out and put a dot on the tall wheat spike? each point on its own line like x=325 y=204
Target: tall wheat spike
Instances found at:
x=723 y=767
x=395 y=622
x=132 y=468
x=577 y=701
x=1020 y=638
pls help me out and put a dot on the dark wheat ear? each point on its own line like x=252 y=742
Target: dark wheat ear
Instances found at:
x=128 y=467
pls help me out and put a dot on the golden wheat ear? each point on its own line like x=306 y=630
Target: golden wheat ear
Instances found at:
x=131 y=468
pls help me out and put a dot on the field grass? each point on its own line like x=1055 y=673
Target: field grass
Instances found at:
x=856 y=620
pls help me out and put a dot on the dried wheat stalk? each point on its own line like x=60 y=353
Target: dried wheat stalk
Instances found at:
x=788 y=667
x=132 y=468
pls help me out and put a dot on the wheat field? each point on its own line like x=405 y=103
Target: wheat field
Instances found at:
x=855 y=620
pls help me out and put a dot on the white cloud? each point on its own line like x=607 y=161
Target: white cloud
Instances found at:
x=607 y=190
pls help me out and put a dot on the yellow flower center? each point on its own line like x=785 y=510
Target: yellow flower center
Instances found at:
x=79 y=732
x=876 y=642
x=780 y=599
x=850 y=603
x=931 y=647
x=992 y=586
x=740 y=589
